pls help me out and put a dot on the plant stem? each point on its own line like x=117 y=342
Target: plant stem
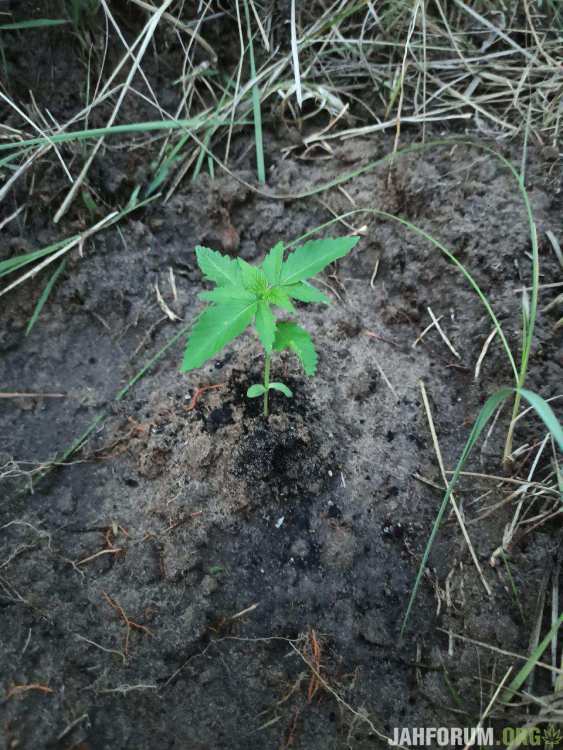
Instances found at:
x=267 y=360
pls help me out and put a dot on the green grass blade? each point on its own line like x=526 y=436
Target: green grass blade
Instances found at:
x=513 y=587
x=543 y=410
x=260 y=166
x=166 y=166
x=134 y=127
x=466 y=274
x=36 y=23
x=210 y=132
x=531 y=662
x=45 y=295
x=14 y=264
x=489 y=408
x=203 y=152
x=69 y=243
x=16 y=156
x=546 y=414
x=445 y=251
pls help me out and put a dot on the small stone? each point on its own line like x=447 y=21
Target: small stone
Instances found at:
x=374 y=630
x=209 y=585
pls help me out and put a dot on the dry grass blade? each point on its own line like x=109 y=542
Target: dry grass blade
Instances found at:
x=490 y=705
x=425 y=60
x=453 y=501
x=295 y=56
x=179 y=25
x=402 y=76
x=146 y=35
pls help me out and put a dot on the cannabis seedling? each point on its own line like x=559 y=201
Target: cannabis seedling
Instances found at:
x=245 y=294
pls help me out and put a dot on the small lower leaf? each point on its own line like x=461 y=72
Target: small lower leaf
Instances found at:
x=255 y=390
x=281 y=388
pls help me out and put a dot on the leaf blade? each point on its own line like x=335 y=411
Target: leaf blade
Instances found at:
x=215 y=328
x=282 y=388
x=252 y=277
x=305 y=292
x=255 y=391
x=280 y=298
x=313 y=256
x=227 y=293
x=265 y=325
x=272 y=264
x=217 y=267
x=292 y=336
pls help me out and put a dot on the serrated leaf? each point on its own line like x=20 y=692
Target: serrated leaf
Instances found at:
x=313 y=256
x=217 y=267
x=272 y=264
x=306 y=292
x=252 y=277
x=255 y=391
x=265 y=325
x=280 y=298
x=227 y=293
x=282 y=388
x=216 y=327
x=297 y=339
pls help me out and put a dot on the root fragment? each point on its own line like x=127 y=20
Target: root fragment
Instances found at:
x=129 y=624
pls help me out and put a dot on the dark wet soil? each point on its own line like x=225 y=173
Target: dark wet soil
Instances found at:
x=173 y=583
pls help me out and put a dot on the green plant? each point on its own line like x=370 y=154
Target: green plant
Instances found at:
x=245 y=295
x=81 y=10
